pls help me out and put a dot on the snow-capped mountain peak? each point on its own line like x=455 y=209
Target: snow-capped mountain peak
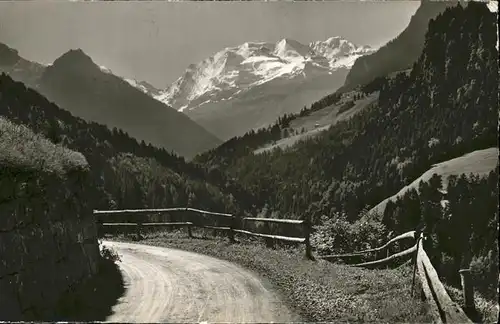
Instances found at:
x=238 y=69
x=291 y=49
x=339 y=51
x=333 y=46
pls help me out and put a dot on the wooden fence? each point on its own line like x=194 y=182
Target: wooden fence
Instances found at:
x=234 y=224
x=442 y=308
x=378 y=251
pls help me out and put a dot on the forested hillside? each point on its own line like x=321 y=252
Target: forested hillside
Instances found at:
x=126 y=174
x=399 y=54
x=444 y=107
x=240 y=146
x=461 y=222
x=479 y=163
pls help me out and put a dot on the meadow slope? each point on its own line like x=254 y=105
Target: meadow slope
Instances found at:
x=479 y=162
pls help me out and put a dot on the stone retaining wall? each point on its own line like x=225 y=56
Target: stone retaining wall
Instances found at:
x=48 y=241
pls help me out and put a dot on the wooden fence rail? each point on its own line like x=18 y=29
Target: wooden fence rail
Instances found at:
x=441 y=307
x=274 y=220
x=444 y=309
x=231 y=230
x=275 y=237
x=386 y=260
x=407 y=235
x=158 y=210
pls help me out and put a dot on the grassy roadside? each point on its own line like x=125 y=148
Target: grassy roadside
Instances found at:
x=486 y=311
x=316 y=290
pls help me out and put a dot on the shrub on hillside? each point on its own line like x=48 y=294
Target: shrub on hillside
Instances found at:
x=346 y=106
x=485 y=273
x=22 y=148
x=108 y=254
x=337 y=235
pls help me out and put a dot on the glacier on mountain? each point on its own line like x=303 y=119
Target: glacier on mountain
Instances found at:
x=252 y=64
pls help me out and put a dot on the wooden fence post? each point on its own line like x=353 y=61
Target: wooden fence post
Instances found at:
x=467 y=289
x=189 y=219
x=388 y=250
x=138 y=228
x=269 y=241
x=214 y=231
x=231 y=230
x=172 y=218
x=307 y=234
x=415 y=260
x=100 y=227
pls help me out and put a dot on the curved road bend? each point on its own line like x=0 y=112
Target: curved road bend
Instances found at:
x=169 y=285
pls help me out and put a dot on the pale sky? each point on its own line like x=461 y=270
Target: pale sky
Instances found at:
x=156 y=41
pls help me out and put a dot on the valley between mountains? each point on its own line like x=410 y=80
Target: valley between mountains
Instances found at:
x=360 y=143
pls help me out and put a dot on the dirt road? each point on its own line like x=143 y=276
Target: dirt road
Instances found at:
x=168 y=285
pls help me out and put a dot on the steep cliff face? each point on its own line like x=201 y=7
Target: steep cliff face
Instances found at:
x=48 y=239
x=400 y=53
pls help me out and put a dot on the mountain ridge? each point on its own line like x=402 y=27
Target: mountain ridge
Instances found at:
x=76 y=83
x=18 y=68
x=260 y=62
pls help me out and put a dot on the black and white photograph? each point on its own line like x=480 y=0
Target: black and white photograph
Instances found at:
x=269 y=161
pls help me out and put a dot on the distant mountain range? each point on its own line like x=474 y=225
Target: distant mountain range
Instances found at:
x=251 y=85
x=75 y=83
x=235 y=90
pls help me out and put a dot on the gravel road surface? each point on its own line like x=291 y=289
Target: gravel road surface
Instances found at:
x=169 y=285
